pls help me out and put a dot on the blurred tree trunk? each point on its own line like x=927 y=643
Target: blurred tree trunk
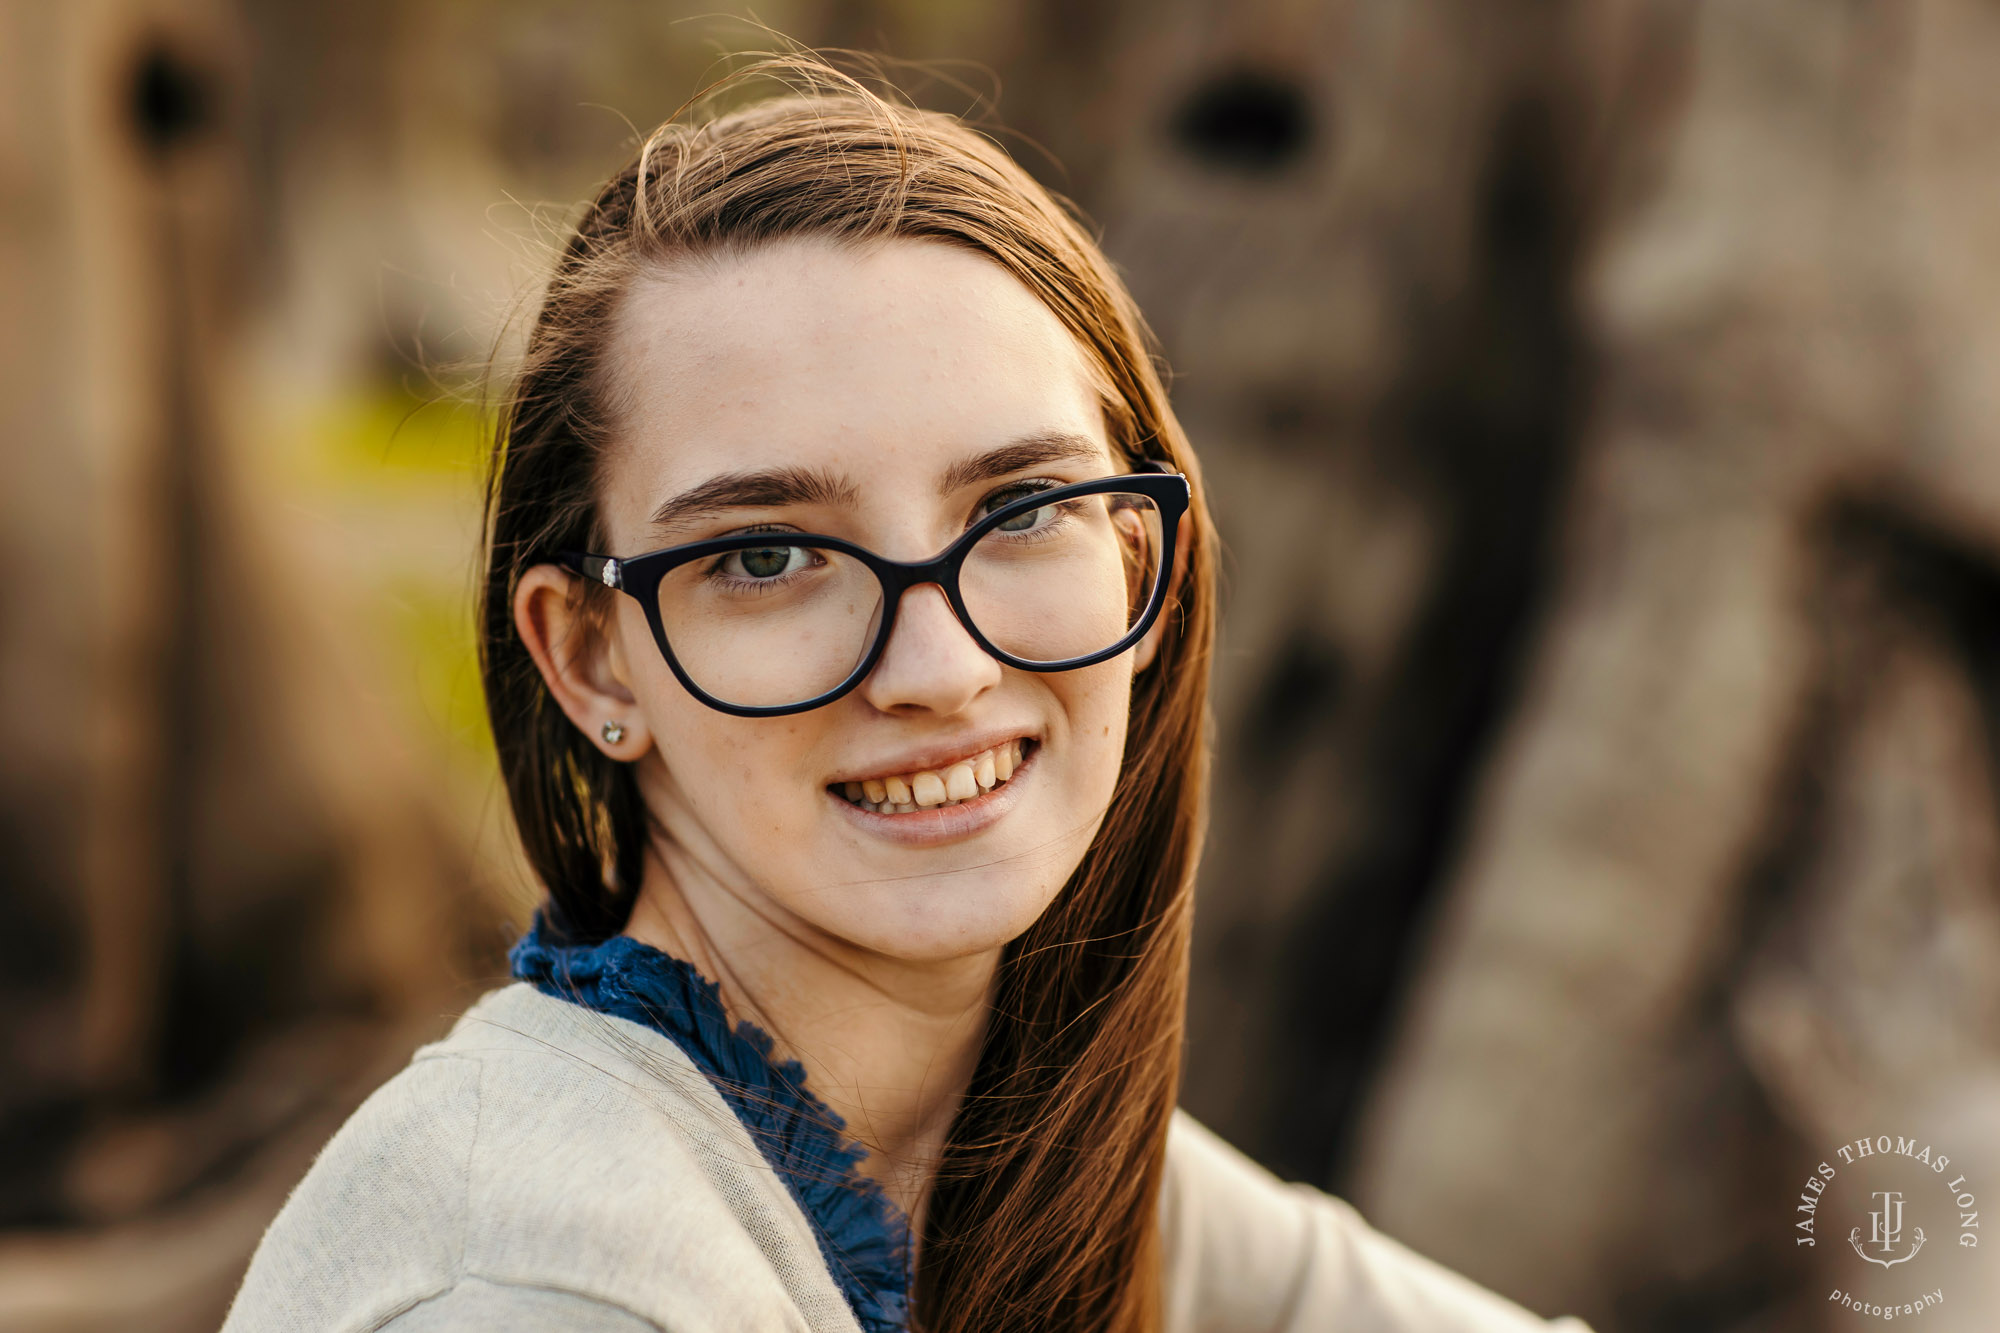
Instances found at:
x=1648 y=1008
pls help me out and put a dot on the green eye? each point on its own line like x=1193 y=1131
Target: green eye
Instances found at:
x=766 y=562
x=1020 y=522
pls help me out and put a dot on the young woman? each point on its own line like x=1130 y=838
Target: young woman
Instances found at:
x=847 y=621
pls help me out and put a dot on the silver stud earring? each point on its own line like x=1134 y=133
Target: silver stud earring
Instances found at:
x=613 y=732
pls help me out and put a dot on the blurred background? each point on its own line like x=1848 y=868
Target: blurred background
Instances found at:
x=1601 y=402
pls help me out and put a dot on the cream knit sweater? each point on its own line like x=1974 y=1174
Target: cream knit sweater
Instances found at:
x=549 y=1167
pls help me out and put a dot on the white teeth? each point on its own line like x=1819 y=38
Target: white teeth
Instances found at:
x=966 y=780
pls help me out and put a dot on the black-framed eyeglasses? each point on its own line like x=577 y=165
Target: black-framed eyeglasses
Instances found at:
x=768 y=623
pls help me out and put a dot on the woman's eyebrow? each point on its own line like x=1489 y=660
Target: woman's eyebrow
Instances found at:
x=1054 y=446
x=768 y=488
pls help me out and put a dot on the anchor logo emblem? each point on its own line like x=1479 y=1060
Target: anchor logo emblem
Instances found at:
x=1886 y=1230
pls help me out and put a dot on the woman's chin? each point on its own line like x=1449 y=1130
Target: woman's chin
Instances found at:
x=946 y=919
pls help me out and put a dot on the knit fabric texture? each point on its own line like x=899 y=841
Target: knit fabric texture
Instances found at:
x=862 y=1235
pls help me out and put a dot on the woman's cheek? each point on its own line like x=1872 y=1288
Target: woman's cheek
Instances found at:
x=1102 y=715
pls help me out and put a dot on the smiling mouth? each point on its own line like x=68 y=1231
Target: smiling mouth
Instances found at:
x=934 y=788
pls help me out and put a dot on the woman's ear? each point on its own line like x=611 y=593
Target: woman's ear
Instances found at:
x=582 y=662
x=1148 y=646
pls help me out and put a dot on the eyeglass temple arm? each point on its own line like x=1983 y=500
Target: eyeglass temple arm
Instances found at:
x=597 y=568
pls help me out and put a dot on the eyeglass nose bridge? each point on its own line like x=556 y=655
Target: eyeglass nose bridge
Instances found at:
x=898 y=577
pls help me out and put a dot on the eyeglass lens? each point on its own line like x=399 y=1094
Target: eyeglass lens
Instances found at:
x=781 y=624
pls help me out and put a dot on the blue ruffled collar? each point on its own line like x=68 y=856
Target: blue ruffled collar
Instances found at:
x=862 y=1235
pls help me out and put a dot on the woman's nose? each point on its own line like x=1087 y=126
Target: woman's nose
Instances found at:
x=930 y=662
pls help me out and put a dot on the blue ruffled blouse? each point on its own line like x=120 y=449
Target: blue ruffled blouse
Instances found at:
x=862 y=1235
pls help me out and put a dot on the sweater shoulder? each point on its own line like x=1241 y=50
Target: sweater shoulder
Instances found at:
x=378 y=1222
x=541 y=1146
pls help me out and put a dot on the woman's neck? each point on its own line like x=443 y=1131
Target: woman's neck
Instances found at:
x=890 y=1046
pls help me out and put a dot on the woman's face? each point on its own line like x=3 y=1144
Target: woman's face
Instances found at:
x=918 y=386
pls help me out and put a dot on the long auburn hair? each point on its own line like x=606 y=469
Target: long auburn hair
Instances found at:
x=1043 y=1213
